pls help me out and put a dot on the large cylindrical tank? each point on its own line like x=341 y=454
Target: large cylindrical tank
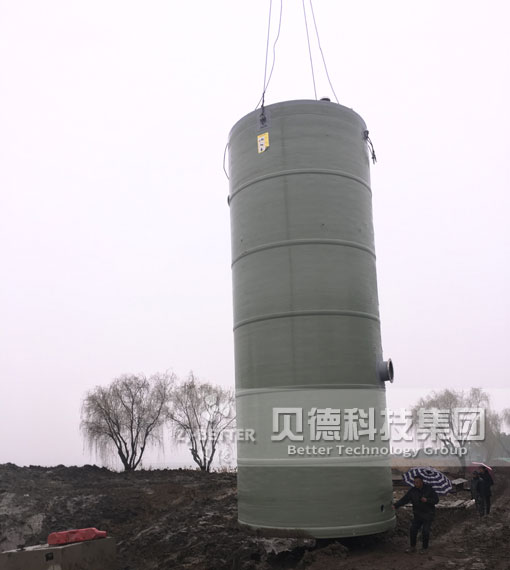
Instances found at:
x=310 y=375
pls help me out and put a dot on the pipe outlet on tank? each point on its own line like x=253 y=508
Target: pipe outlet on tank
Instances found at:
x=386 y=372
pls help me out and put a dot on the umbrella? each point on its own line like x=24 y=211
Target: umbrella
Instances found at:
x=479 y=464
x=437 y=480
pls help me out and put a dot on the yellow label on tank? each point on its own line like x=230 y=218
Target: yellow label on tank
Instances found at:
x=263 y=142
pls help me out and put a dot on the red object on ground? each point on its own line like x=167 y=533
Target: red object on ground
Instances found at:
x=79 y=535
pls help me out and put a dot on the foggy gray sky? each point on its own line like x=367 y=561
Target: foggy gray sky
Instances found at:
x=114 y=223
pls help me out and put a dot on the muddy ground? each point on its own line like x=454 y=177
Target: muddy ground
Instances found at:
x=187 y=519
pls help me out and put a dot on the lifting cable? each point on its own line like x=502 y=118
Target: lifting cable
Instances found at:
x=267 y=79
x=309 y=50
x=266 y=84
x=322 y=53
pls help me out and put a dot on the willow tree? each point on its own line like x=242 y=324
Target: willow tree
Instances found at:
x=449 y=419
x=127 y=416
x=201 y=414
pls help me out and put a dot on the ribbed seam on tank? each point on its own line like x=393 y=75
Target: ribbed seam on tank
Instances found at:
x=325 y=313
x=297 y=171
x=298 y=387
x=314 y=241
x=358 y=529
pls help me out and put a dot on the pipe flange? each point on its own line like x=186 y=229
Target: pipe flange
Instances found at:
x=386 y=371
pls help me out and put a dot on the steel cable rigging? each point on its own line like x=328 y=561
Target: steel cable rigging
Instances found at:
x=267 y=79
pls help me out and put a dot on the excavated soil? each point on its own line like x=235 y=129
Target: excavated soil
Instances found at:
x=187 y=519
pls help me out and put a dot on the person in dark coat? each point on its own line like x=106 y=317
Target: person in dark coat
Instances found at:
x=487 y=483
x=424 y=500
x=477 y=493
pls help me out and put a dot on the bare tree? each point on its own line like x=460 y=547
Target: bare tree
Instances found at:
x=504 y=438
x=453 y=430
x=200 y=414
x=492 y=441
x=127 y=416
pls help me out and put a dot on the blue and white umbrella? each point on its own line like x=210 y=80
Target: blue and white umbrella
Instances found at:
x=437 y=480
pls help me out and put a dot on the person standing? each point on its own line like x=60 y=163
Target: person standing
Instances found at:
x=424 y=500
x=487 y=483
x=477 y=493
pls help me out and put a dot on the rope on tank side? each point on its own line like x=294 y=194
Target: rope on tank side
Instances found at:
x=370 y=146
x=224 y=160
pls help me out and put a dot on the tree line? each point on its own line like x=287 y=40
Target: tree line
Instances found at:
x=454 y=430
x=131 y=414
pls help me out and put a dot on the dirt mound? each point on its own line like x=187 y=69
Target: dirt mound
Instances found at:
x=188 y=519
